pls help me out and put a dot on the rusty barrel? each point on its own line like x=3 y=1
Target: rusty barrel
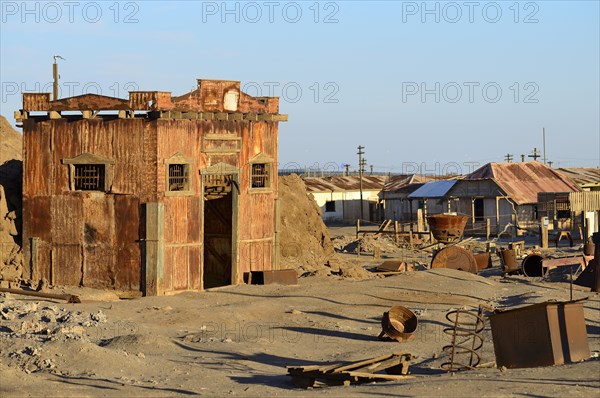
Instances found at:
x=447 y=228
x=399 y=323
x=509 y=260
x=532 y=265
x=456 y=258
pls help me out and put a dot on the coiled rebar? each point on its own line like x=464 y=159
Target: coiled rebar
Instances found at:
x=466 y=339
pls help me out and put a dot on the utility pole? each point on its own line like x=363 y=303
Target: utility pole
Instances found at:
x=347 y=166
x=522 y=158
x=544 y=137
x=535 y=155
x=550 y=163
x=508 y=157
x=371 y=166
x=55 y=77
x=361 y=165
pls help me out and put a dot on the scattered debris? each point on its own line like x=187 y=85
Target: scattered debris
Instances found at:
x=394 y=267
x=395 y=366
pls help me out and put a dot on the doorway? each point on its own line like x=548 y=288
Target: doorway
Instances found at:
x=219 y=220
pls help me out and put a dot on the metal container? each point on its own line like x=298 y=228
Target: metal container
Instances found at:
x=399 y=323
x=532 y=265
x=482 y=260
x=546 y=334
x=509 y=260
x=447 y=228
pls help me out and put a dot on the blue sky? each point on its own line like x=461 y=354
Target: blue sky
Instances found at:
x=418 y=84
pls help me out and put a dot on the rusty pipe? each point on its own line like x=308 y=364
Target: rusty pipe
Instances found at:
x=532 y=265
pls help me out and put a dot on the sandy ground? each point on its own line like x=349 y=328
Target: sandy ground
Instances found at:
x=236 y=341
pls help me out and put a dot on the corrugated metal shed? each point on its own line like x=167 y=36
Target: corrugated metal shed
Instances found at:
x=344 y=184
x=583 y=176
x=524 y=180
x=433 y=189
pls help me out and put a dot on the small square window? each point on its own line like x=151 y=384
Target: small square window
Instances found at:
x=179 y=177
x=89 y=177
x=260 y=177
x=330 y=206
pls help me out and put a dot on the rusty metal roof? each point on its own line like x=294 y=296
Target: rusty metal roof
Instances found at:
x=522 y=181
x=582 y=175
x=400 y=182
x=340 y=184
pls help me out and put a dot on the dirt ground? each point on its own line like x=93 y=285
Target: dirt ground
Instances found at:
x=237 y=340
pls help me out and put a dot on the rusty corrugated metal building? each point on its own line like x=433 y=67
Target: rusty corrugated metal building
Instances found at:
x=152 y=194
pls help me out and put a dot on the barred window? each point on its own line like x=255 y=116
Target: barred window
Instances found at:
x=89 y=177
x=260 y=177
x=179 y=177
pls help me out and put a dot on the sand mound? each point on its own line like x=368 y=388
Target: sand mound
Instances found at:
x=10 y=142
x=304 y=240
x=136 y=342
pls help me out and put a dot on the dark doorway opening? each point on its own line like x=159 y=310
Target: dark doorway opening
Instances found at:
x=218 y=230
x=479 y=214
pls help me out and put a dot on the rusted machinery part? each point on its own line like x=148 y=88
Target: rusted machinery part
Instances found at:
x=482 y=260
x=70 y=298
x=456 y=258
x=466 y=334
x=508 y=259
x=447 y=228
x=532 y=265
x=399 y=323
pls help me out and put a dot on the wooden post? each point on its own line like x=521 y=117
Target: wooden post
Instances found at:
x=596 y=240
x=420 y=220
x=396 y=231
x=544 y=233
x=487 y=228
x=497 y=215
x=357 y=227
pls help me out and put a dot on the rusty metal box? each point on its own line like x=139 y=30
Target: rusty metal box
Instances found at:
x=551 y=333
x=282 y=277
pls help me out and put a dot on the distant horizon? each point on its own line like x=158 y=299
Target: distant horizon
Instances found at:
x=433 y=83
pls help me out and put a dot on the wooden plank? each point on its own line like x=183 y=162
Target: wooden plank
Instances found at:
x=360 y=364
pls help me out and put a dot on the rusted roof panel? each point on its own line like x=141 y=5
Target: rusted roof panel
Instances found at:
x=524 y=180
x=398 y=183
x=340 y=184
x=582 y=175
